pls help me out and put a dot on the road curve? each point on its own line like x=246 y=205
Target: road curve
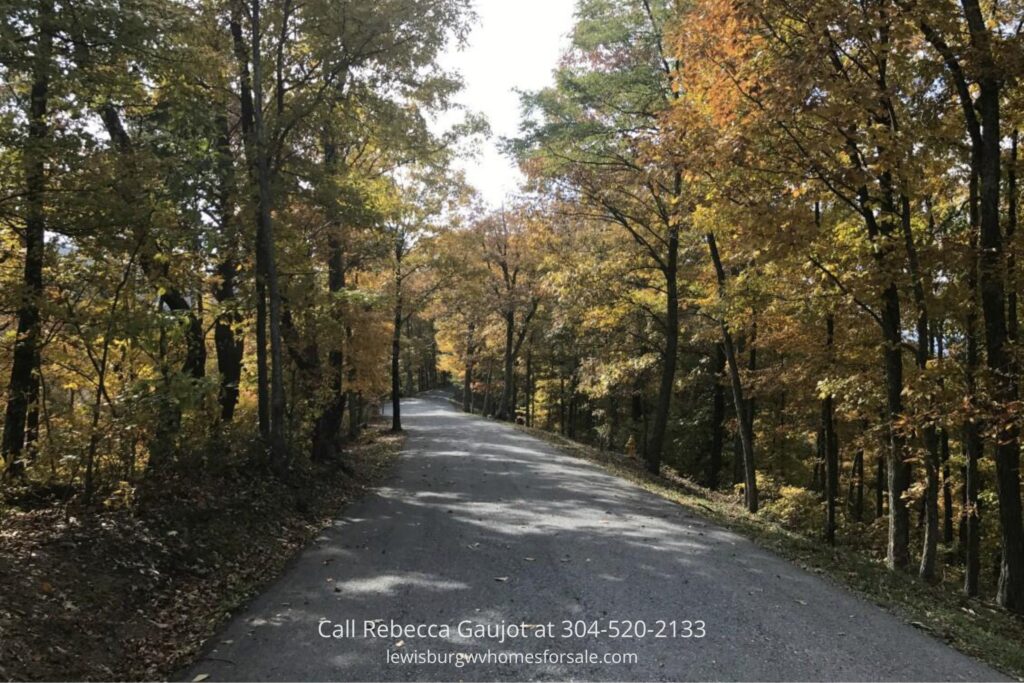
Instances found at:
x=482 y=523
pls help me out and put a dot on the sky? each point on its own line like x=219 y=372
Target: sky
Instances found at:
x=514 y=44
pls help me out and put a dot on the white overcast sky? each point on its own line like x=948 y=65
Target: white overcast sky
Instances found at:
x=514 y=44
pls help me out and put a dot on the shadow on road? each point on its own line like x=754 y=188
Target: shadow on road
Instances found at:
x=484 y=523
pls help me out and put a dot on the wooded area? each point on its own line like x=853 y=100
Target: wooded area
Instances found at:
x=209 y=210
x=788 y=226
x=768 y=244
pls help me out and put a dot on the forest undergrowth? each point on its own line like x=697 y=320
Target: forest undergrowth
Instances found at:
x=976 y=627
x=133 y=592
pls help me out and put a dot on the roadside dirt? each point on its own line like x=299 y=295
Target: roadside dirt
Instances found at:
x=134 y=593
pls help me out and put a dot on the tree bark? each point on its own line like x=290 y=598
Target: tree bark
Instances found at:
x=972 y=428
x=983 y=119
x=898 y=546
x=529 y=386
x=229 y=347
x=327 y=426
x=485 y=409
x=743 y=413
x=717 y=419
x=656 y=445
x=24 y=381
x=856 y=502
x=246 y=119
x=1002 y=368
x=880 y=485
x=929 y=551
x=1012 y=322
x=467 y=380
x=831 y=445
x=265 y=243
x=506 y=410
x=396 y=337
x=355 y=414
x=396 y=380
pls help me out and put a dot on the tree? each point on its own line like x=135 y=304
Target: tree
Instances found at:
x=513 y=282
x=595 y=136
x=23 y=389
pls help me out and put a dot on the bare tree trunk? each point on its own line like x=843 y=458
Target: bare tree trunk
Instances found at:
x=880 y=485
x=529 y=387
x=669 y=359
x=396 y=350
x=486 y=408
x=24 y=381
x=717 y=419
x=467 y=381
x=327 y=426
x=328 y=423
x=1001 y=364
x=831 y=445
x=247 y=121
x=743 y=413
x=265 y=228
x=355 y=414
x=506 y=411
x=856 y=502
x=947 y=484
x=972 y=429
x=1012 y=323
x=898 y=546
x=229 y=347
x=929 y=552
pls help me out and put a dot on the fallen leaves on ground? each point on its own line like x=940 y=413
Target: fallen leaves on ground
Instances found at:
x=134 y=593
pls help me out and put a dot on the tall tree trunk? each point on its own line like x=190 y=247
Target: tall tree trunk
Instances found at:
x=25 y=366
x=947 y=489
x=355 y=414
x=396 y=350
x=1012 y=323
x=32 y=418
x=974 y=449
x=717 y=418
x=486 y=408
x=636 y=418
x=898 y=546
x=656 y=445
x=265 y=243
x=743 y=412
x=529 y=386
x=881 y=477
x=947 y=483
x=327 y=427
x=467 y=381
x=228 y=345
x=506 y=411
x=1001 y=365
x=247 y=121
x=856 y=496
x=972 y=429
x=818 y=479
x=573 y=400
x=929 y=551
x=831 y=445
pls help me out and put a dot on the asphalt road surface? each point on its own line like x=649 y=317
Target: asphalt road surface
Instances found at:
x=482 y=523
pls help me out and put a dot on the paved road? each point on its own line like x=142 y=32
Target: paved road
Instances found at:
x=482 y=523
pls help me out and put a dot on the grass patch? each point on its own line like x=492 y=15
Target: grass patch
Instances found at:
x=976 y=627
